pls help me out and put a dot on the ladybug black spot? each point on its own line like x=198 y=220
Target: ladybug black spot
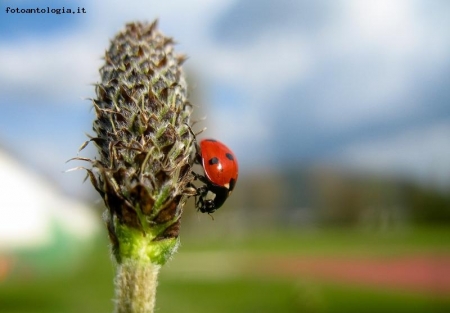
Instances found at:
x=229 y=156
x=214 y=160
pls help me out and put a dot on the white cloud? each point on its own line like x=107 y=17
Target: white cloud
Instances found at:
x=259 y=73
x=387 y=24
x=53 y=69
x=422 y=152
x=376 y=55
x=263 y=69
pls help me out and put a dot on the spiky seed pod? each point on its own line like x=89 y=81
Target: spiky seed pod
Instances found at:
x=143 y=140
x=145 y=148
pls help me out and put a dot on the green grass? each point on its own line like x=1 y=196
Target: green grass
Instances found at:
x=339 y=241
x=339 y=298
x=225 y=296
x=88 y=288
x=254 y=295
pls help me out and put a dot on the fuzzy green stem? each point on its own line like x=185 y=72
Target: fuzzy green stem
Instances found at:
x=136 y=286
x=142 y=247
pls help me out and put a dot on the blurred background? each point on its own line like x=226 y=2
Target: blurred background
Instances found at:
x=338 y=112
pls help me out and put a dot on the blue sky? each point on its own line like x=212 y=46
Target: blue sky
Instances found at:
x=362 y=84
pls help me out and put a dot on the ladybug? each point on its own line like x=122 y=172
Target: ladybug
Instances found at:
x=220 y=174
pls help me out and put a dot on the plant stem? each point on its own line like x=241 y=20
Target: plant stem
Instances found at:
x=136 y=286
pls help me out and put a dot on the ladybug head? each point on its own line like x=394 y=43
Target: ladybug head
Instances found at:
x=208 y=206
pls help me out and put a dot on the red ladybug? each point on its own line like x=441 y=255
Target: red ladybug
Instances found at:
x=221 y=172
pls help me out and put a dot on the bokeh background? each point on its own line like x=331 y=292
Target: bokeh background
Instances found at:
x=338 y=111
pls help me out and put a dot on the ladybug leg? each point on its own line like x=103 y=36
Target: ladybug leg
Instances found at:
x=202 y=192
x=201 y=203
x=201 y=178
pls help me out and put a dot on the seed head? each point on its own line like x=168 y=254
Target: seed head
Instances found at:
x=144 y=143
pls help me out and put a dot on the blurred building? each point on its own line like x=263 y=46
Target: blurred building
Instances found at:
x=41 y=229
